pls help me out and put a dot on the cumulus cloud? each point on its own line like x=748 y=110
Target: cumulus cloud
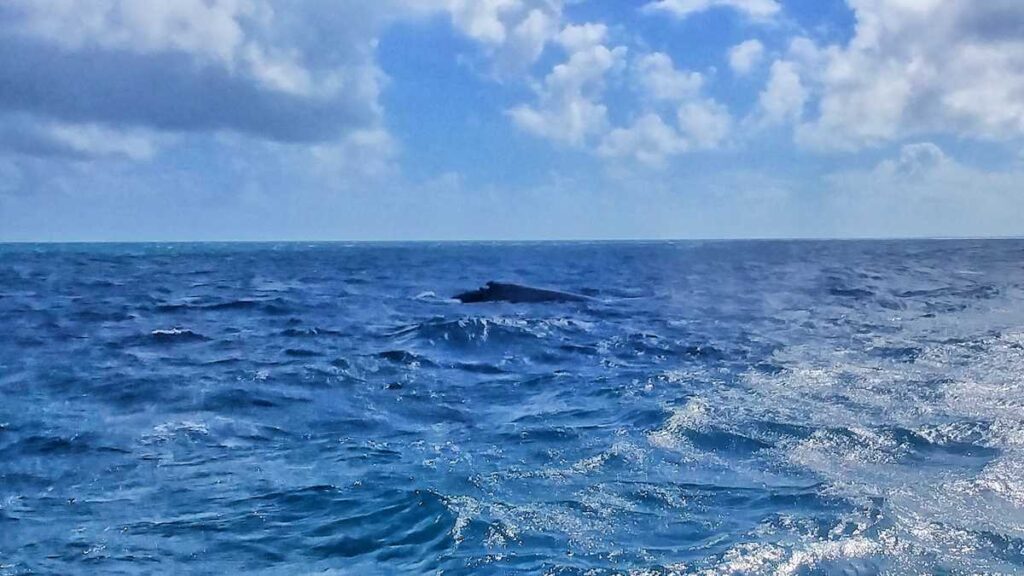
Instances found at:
x=696 y=122
x=578 y=37
x=369 y=155
x=483 y=20
x=569 y=108
x=302 y=73
x=757 y=9
x=915 y=68
x=658 y=78
x=915 y=159
x=514 y=32
x=187 y=66
x=705 y=122
x=649 y=140
x=25 y=135
x=745 y=56
x=209 y=29
x=784 y=97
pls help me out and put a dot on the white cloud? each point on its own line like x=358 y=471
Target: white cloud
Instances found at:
x=218 y=32
x=706 y=123
x=916 y=159
x=193 y=66
x=578 y=37
x=96 y=140
x=745 y=56
x=671 y=116
x=361 y=156
x=570 y=109
x=295 y=72
x=916 y=68
x=784 y=97
x=514 y=32
x=649 y=140
x=483 y=20
x=98 y=78
x=26 y=135
x=529 y=37
x=208 y=29
x=658 y=78
x=757 y=9
x=698 y=122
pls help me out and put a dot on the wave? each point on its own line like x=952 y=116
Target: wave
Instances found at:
x=302 y=353
x=309 y=332
x=177 y=335
x=855 y=293
x=492 y=332
x=405 y=528
x=720 y=412
x=57 y=446
x=984 y=292
x=405 y=358
x=271 y=306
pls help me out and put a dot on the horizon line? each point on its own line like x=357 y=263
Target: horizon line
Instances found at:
x=621 y=240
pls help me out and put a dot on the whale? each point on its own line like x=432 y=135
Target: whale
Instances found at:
x=516 y=294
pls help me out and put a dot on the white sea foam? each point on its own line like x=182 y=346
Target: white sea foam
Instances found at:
x=852 y=401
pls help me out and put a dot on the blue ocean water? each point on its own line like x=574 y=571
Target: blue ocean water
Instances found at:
x=717 y=408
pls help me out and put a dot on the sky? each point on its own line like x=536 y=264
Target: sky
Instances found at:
x=179 y=120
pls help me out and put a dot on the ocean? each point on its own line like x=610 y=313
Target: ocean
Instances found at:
x=770 y=407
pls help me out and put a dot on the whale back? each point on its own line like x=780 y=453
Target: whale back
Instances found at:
x=516 y=294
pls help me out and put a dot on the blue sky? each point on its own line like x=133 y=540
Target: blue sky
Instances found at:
x=510 y=119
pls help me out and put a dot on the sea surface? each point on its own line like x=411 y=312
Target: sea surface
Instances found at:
x=790 y=408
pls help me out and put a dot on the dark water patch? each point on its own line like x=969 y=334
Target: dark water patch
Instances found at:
x=723 y=441
x=405 y=358
x=102 y=284
x=335 y=429
x=102 y=316
x=271 y=306
x=929 y=449
x=127 y=389
x=187 y=525
x=398 y=525
x=983 y=292
x=582 y=349
x=241 y=398
x=1004 y=547
x=301 y=353
x=854 y=293
x=430 y=412
x=772 y=431
x=642 y=417
x=907 y=354
x=51 y=445
x=577 y=417
x=30 y=342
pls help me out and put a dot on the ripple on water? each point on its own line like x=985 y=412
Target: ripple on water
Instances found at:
x=726 y=408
